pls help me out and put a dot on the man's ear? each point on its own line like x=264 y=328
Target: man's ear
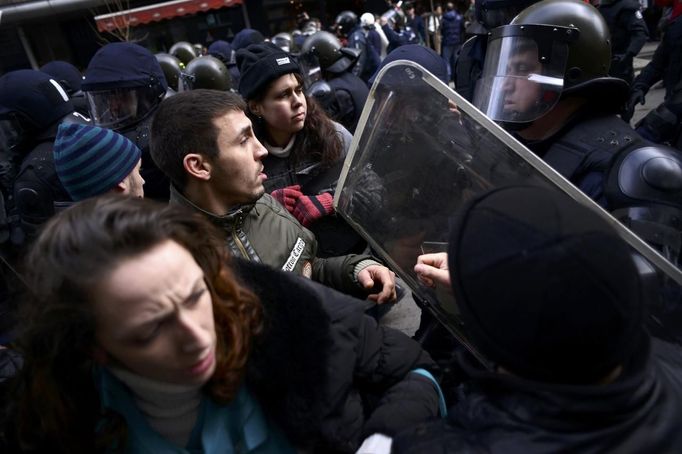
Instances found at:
x=122 y=186
x=197 y=166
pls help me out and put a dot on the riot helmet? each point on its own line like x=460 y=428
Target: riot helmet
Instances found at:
x=68 y=76
x=327 y=48
x=183 y=51
x=550 y=49
x=345 y=22
x=496 y=13
x=367 y=20
x=123 y=84
x=30 y=102
x=198 y=49
x=207 y=72
x=222 y=50
x=283 y=40
x=171 y=69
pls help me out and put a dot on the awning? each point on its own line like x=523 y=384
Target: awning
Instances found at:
x=157 y=12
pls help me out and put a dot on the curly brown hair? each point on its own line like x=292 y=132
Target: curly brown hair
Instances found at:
x=317 y=140
x=57 y=400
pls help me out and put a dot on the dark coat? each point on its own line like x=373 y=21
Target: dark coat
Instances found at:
x=666 y=64
x=639 y=412
x=451 y=28
x=325 y=372
x=628 y=35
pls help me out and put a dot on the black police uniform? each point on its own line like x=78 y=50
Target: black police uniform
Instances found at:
x=664 y=123
x=369 y=58
x=628 y=35
x=469 y=65
x=351 y=94
x=626 y=174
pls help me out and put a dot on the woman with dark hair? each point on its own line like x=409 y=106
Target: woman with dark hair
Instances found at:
x=306 y=148
x=140 y=337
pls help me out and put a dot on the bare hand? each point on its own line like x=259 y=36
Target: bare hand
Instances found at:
x=432 y=269
x=378 y=274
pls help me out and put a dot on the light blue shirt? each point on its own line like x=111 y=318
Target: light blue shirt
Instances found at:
x=236 y=428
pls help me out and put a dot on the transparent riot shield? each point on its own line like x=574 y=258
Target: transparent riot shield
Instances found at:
x=420 y=152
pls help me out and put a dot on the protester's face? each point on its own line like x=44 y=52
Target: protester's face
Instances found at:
x=284 y=107
x=520 y=94
x=154 y=316
x=135 y=182
x=237 y=172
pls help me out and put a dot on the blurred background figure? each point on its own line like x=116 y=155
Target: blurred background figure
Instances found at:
x=628 y=34
x=452 y=27
x=433 y=28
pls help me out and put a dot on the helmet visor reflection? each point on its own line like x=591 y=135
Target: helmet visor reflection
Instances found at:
x=520 y=83
x=120 y=107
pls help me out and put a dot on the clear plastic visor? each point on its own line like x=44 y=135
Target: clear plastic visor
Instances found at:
x=120 y=107
x=518 y=84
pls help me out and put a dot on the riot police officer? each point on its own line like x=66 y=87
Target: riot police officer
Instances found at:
x=663 y=124
x=349 y=92
x=546 y=78
x=364 y=39
x=124 y=85
x=628 y=34
x=32 y=105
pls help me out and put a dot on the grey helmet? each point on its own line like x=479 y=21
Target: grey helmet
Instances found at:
x=183 y=51
x=207 y=72
x=171 y=69
x=327 y=48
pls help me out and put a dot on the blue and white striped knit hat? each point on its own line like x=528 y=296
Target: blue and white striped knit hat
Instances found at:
x=91 y=160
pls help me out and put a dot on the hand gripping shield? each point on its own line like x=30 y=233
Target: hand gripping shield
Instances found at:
x=421 y=152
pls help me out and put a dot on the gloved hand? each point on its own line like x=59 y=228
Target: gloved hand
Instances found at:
x=310 y=208
x=288 y=196
x=637 y=96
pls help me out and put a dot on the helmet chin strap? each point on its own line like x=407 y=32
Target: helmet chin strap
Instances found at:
x=515 y=126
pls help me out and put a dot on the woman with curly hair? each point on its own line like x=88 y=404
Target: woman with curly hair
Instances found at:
x=141 y=335
x=305 y=147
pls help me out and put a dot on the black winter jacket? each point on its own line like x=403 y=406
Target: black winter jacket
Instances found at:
x=639 y=412
x=325 y=372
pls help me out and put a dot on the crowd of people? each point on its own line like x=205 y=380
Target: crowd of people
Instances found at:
x=175 y=277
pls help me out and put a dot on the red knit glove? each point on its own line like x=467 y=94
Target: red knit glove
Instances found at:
x=310 y=208
x=288 y=196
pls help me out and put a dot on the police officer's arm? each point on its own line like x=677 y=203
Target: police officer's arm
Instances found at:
x=653 y=72
x=394 y=39
x=636 y=27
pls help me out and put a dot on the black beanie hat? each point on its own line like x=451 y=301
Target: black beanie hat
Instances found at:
x=546 y=288
x=259 y=64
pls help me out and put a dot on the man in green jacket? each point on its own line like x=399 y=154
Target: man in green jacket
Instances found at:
x=204 y=142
